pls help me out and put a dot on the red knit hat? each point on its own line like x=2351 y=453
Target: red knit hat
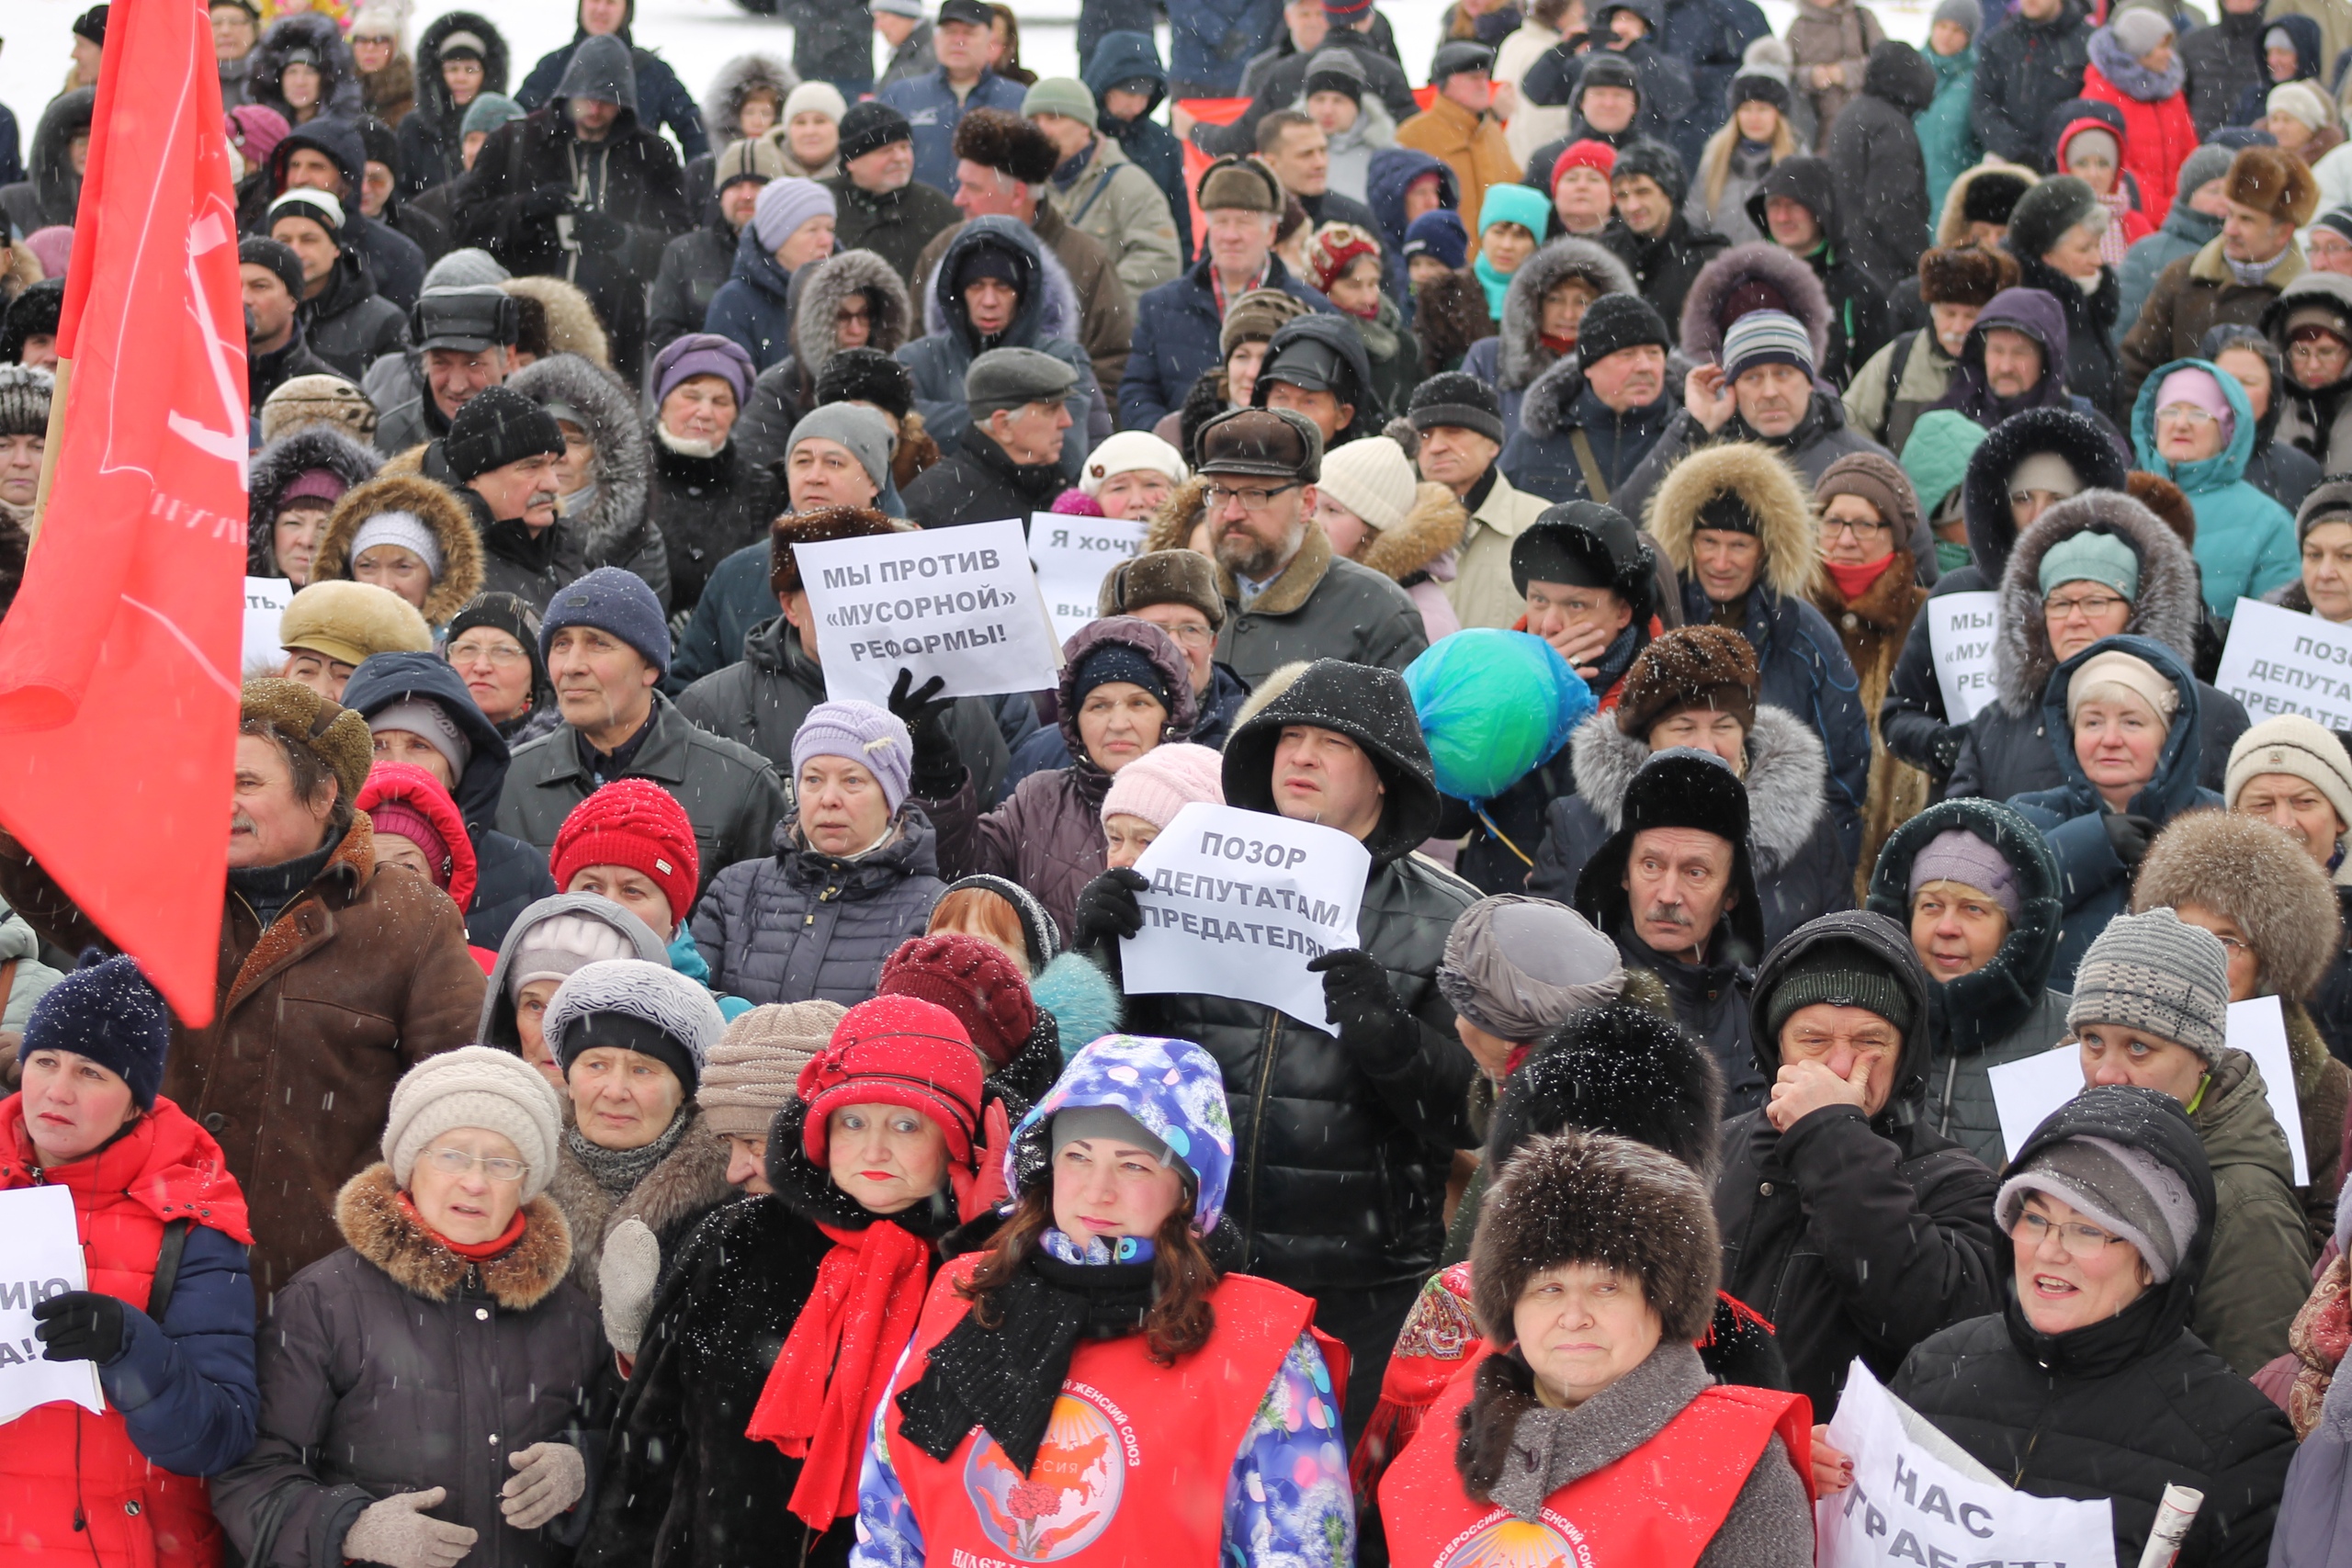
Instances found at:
x=1585 y=155
x=976 y=980
x=403 y=799
x=635 y=823
x=895 y=1051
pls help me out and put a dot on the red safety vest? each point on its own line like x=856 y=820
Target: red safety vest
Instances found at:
x=1656 y=1507
x=1134 y=1466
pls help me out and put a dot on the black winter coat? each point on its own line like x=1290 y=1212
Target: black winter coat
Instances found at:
x=348 y=323
x=2121 y=1408
x=895 y=226
x=2223 y=60
x=431 y=134
x=804 y=925
x=2092 y=370
x=531 y=566
x=1854 y=1236
x=1881 y=172
x=2024 y=70
x=707 y=508
x=661 y=100
x=979 y=483
x=1665 y=266
x=693 y=267
x=1541 y=457
x=264 y=373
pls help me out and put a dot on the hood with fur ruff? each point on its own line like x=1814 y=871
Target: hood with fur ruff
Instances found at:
x=1771 y=489
x=438 y=509
x=1952 y=225
x=1050 y=311
x=338 y=74
x=722 y=102
x=279 y=464
x=2166 y=609
x=432 y=92
x=1787 y=781
x=1983 y=1005
x=1985 y=490
x=2247 y=870
x=1523 y=355
x=624 y=454
x=1433 y=525
x=1787 y=276
x=571 y=323
x=829 y=285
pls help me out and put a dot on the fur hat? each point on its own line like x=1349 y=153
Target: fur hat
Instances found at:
x=1011 y=145
x=1994 y=194
x=1965 y=275
x=1162 y=577
x=2166 y=500
x=1621 y=1069
x=752 y=1070
x=2249 y=872
x=25 y=391
x=1595 y=1197
x=2273 y=182
x=33 y=313
x=105 y=1011
x=647 y=1008
x=336 y=735
x=1690 y=667
x=820 y=526
x=975 y=980
x=1238 y=183
x=866 y=376
x=317 y=400
x=476 y=1086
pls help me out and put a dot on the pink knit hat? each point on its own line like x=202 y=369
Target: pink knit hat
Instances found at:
x=1165 y=780
x=2190 y=385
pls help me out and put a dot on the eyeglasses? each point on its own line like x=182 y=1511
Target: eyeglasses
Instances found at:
x=504 y=656
x=1862 y=533
x=1253 y=498
x=2091 y=604
x=2077 y=1240
x=457 y=1162
x=2317 y=353
x=1191 y=636
x=2185 y=413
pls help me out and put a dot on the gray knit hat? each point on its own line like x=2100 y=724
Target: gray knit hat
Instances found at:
x=465 y=267
x=1967 y=13
x=1766 y=337
x=2208 y=164
x=647 y=1008
x=2125 y=1191
x=1517 y=967
x=475 y=1086
x=753 y=1069
x=861 y=430
x=2157 y=973
x=1957 y=854
x=1014 y=378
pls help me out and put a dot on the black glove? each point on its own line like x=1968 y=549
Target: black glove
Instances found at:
x=937 y=769
x=80 y=1325
x=599 y=231
x=1107 y=909
x=1365 y=1010
x=2128 y=836
x=1943 y=751
x=544 y=201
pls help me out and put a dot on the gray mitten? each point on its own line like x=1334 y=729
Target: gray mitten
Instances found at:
x=549 y=1478
x=398 y=1533
x=626 y=1273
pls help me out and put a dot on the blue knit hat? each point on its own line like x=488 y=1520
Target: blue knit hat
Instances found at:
x=611 y=600
x=1438 y=235
x=105 y=1011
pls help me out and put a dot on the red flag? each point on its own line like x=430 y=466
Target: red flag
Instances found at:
x=119 y=661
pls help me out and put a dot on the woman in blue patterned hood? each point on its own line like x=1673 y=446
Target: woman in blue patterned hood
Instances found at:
x=1093 y=1379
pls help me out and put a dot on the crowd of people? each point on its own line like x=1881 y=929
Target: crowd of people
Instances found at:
x=656 y=1112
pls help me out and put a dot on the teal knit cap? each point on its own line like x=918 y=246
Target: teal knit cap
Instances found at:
x=2093 y=558
x=1515 y=204
x=1936 y=456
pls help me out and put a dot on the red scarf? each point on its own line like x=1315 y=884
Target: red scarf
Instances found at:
x=835 y=1366
x=472 y=1251
x=1563 y=346
x=1853 y=581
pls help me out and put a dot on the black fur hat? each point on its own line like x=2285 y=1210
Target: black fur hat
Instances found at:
x=1592 y=1198
x=33 y=313
x=1645 y=155
x=1992 y=196
x=1965 y=275
x=866 y=376
x=1623 y=1069
x=997 y=140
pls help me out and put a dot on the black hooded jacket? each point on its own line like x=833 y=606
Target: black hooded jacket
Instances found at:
x=279 y=464
x=432 y=134
x=395 y=263
x=1881 y=172
x=1854 y=1235
x=1338 y=334
x=510 y=875
x=50 y=191
x=1858 y=309
x=2123 y=1408
x=1122 y=57
x=2024 y=69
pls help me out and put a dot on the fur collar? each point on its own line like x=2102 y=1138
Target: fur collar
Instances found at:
x=1433 y=526
x=624 y=457
x=1702 y=337
x=2209 y=267
x=459 y=578
x=347 y=871
x=830 y=285
x=572 y=326
x=1523 y=355
x=2136 y=82
x=691 y=1179
x=367 y=1214
x=2167 y=609
x=1771 y=489
x=1172 y=529
x=1788 y=776
x=722 y=105
x=1951 y=228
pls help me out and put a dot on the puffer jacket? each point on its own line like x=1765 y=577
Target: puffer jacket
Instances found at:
x=282 y=462
x=2002 y=1013
x=803 y=924
x=619 y=523
x=2158 y=134
x=1512 y=360
x=393 y=1366
x=1880 y=168
x=2072 y=817
x=1800 y=870
x=432 y=134
x=1853 y=1234
x=2006 y=749
x=30 y=980
x=2123 y=1408
x=753 y=307
x=1047 y=836
x=2184 y=232
x=2245 y=541
x=2260 y=1269
x=1541 y=457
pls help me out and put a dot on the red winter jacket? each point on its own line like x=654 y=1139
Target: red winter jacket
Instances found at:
x=2157 y=139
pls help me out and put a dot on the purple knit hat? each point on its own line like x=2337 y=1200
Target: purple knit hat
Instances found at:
x=874 y=739
x=703 y=353
x=1961 y=856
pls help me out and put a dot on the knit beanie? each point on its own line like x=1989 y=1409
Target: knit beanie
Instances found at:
x=817 y=97
x=2124 y=1191
x=874 y=739
x=2208 y=164
x=752 y=1070
x=257 y=128
x=634 y=823
x=1620 y=321
x=105 y=1011
x=1765 y=337
x=866 y=376
x=2043 y=214
x=2139 y=30
x=336 y=735
x=304 y=400
x=306 y=201
x=703 y=353
x=475 y=1086
x=975 y=980
x=895 y=1051
x=487 y=113
x=1110 y=661
x=2090 y=557
x=1131 y=451
x=2158 y=975
x=2129 y=670
x=1163 y=781
x=2291 y=744
x=1878 y=480
x=1841 y=972
x=2299 y=101
x=1959 y=855
x=649 y=1008
x=784 y=205
x=1255 y=318
x=1064 y=96
x=1690 y=667
x=1441 y=236
x=560 y=946
x=1585 y=155
x=405 y=529
x=1514 y=204
x=1517 y=968
x=498 y=425
x=1964 y=14
x=260 y=250
x=426 y=719
x=470 y=267
x=860 y=431
x=869 y=127
x=610 y=599
x=1456 y=399
x=1372 y=478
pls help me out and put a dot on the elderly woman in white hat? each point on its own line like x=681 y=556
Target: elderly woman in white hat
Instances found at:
x=1130 y=475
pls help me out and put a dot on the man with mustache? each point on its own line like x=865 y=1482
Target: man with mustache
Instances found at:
x=499 y=456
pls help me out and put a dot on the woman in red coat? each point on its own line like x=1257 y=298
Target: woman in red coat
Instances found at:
x=2133 y=67
x=168 y=1317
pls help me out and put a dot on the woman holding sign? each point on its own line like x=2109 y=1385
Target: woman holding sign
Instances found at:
x=2089 y=1383
x=168 y=1317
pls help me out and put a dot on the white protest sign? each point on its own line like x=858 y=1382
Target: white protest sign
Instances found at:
x=42 y=1258
x=1073 y=555
x=2279 y=661
x=1918 y=1498
x=265 y=600
x=2026 y=1092
x=1239 y=902
x=1960 y=629
x=961 y=602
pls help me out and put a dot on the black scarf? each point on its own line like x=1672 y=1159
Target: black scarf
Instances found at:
x=1618 y=656
x=270 y=888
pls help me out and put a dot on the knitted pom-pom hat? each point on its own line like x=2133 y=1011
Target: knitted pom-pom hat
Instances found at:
x=635 y=823
x=896 y=1051
x=976 y=980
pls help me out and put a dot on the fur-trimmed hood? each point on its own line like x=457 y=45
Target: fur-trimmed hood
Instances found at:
x=338 y=74
x=830 y=284
x=1523 y=356
x=1985 y=491
x=572 y=326
x=459 y=578
x=497 y=1024
x=1433 y=526
x=1785 y=275
x=1786 y=781
x=432 y=92
x=1771 y=489
x=623 y=456
x=279 y=464
x=1048 y=311
x=1548 y=409
x=1163 y=655
x=2248 y=872
x=722 y=101
x=1891 y=944
x=368 y=1215
x=1952 y=225
x=2165 y=610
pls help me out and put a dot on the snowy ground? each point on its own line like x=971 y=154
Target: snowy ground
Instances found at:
x=697 y=36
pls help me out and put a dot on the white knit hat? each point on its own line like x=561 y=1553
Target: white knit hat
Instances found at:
x=560 y=946
x=1125 y=453
x=822 y=96
x=2292 y=744
x=475 y=1086
x=405 y=529
x=2299 y=100
x=1372 y=478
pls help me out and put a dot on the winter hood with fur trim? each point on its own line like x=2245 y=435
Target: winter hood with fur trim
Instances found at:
x=1523 y=355
x=1985 y=491
x=828 y=287
x=722 y=103
x=624 y=457
x=571 y=322
x=1800 y=290
x=1049 y=304
x=317 y=35
x=1430 y=529
x=278 y=465
x=1787 y=781
x=1771 y=489
x=432 y=92
x=438 y=508
x=2165 y=610
x=1951 y=226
